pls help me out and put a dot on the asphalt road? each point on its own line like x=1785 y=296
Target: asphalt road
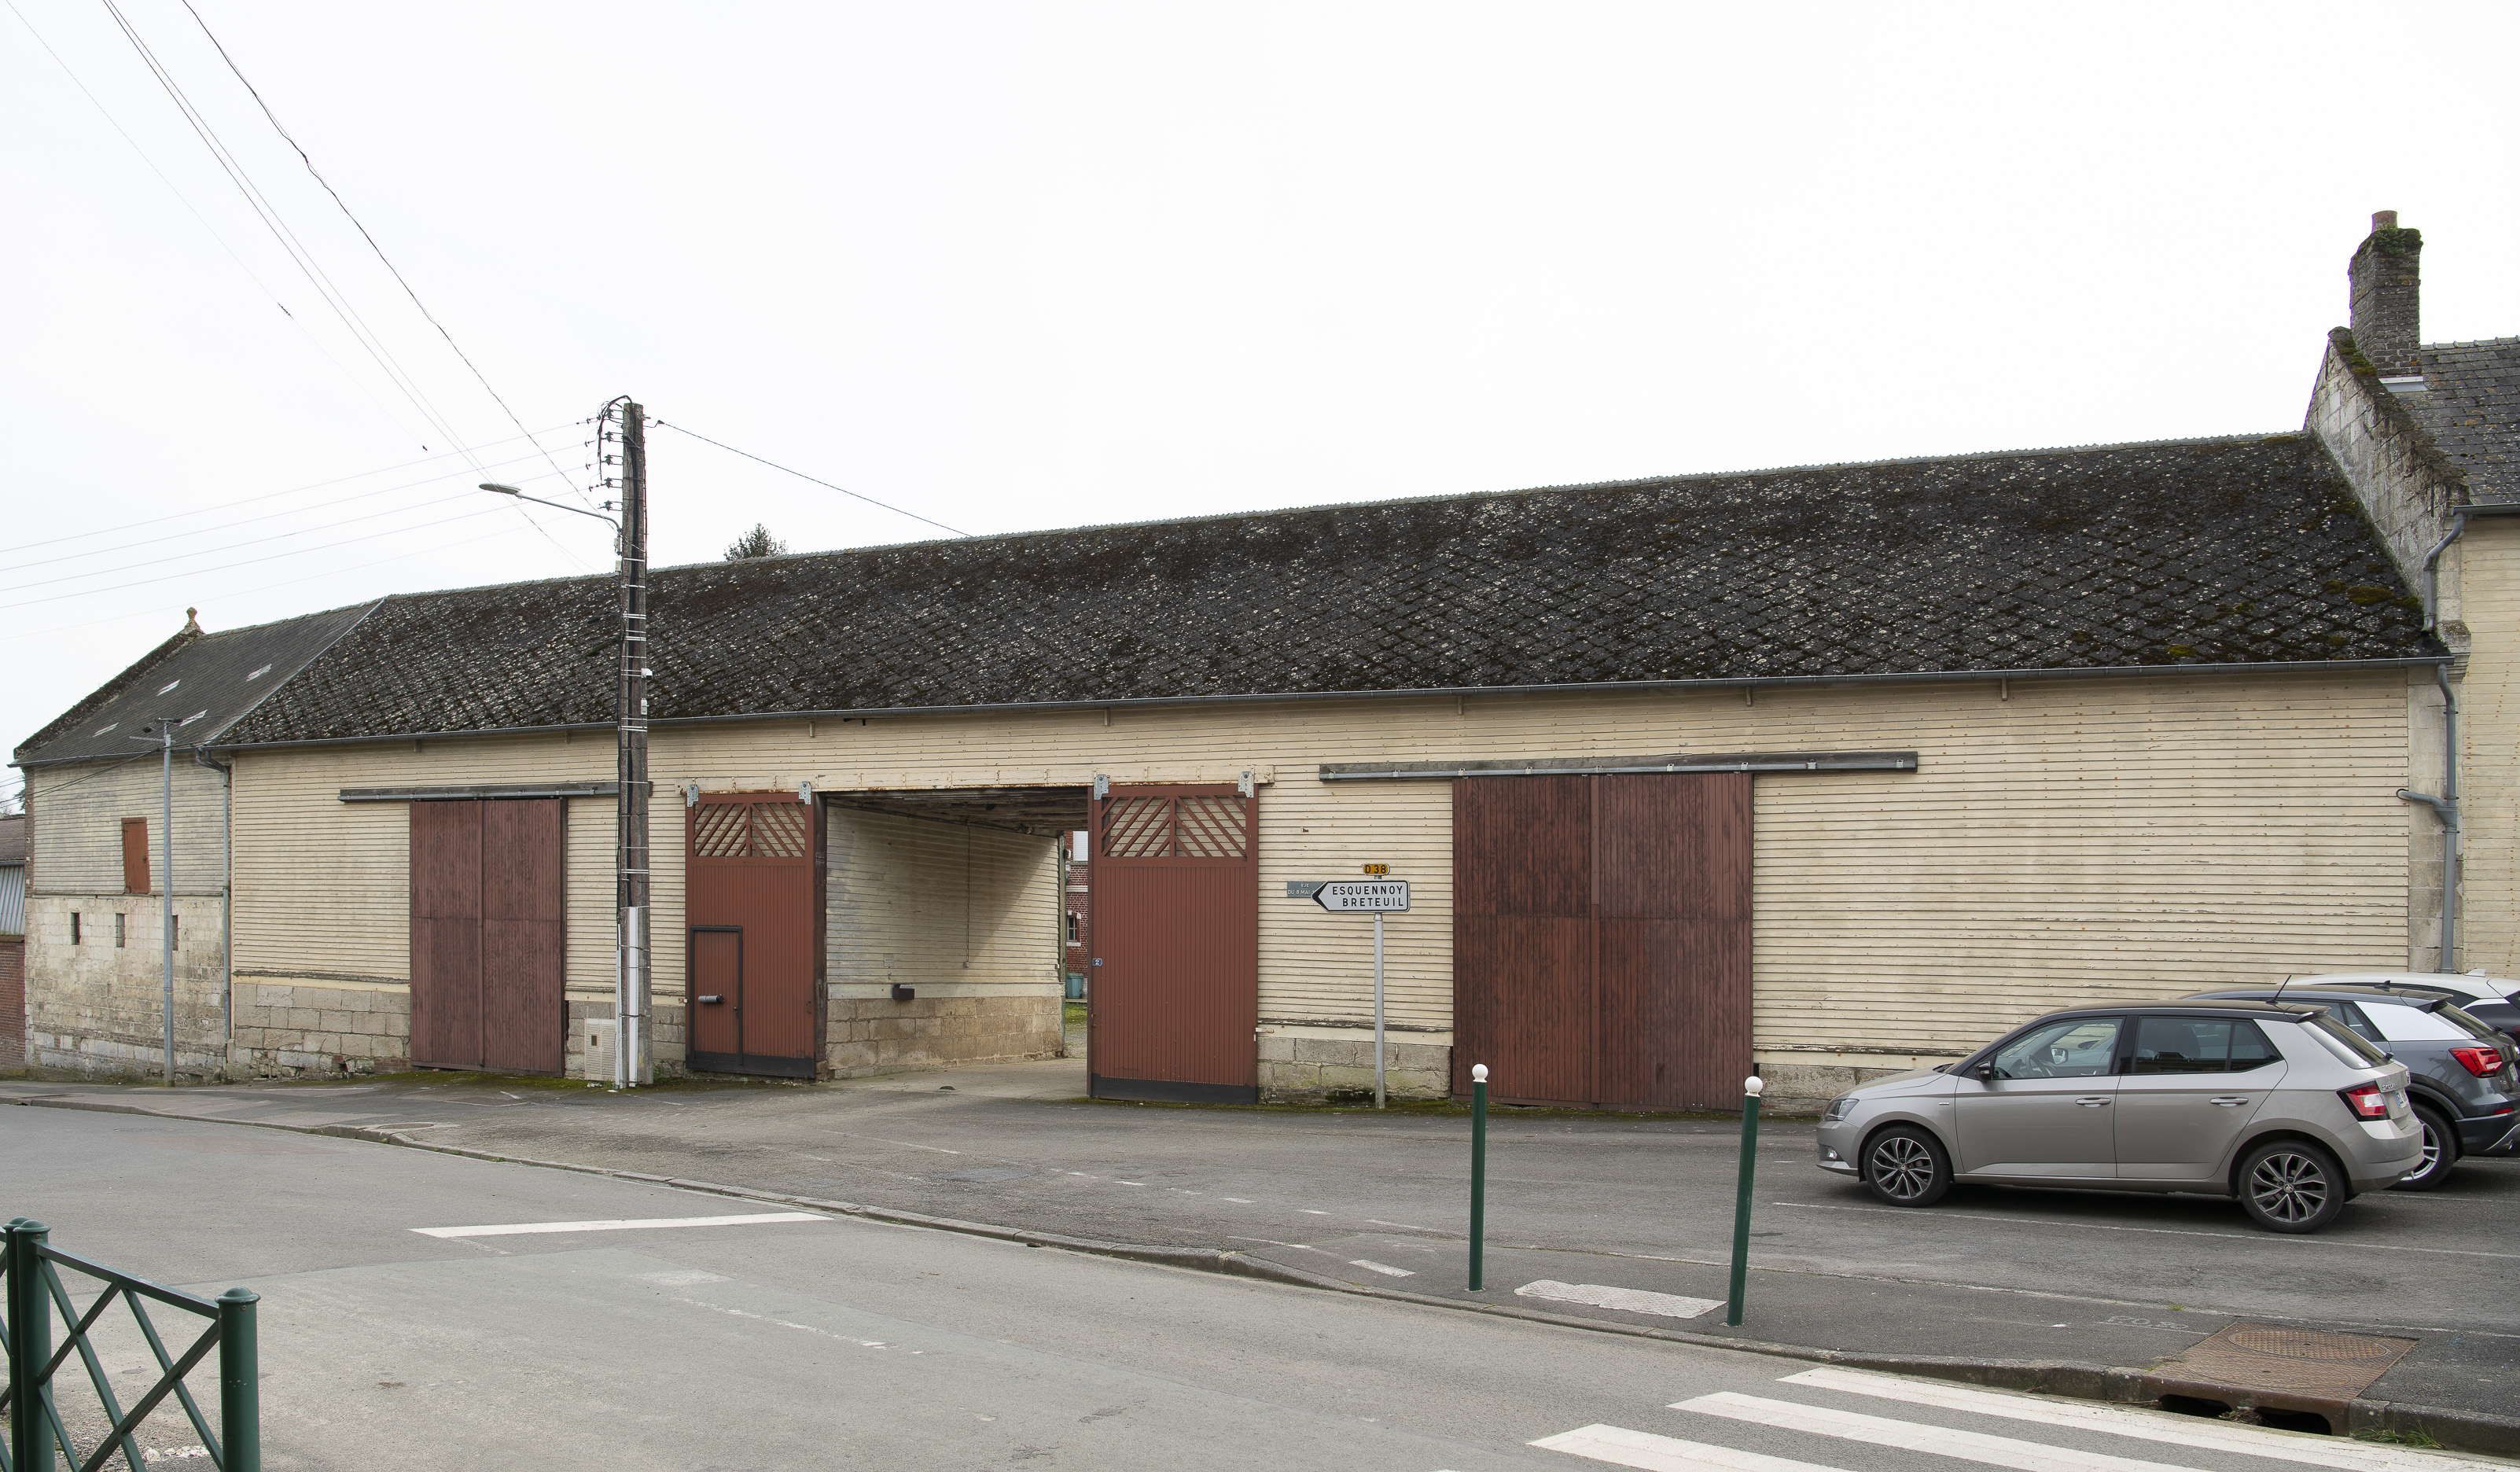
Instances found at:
x=783 y=1344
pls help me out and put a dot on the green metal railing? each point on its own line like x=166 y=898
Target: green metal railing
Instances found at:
x=37 y=1438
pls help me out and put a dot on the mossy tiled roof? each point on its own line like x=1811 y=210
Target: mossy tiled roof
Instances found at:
x=2129 y=556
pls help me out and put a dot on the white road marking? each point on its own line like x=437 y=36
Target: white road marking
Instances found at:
x=518 y=1228
x=1239 y=1200
x=1308 y=1211
x=2150 y=1426
x=1386 y=1268
x=907 y=1146
x=2356 y=1244
x=1937 y=1441
x=1403 y=1225
x=1628 y=1300
x=1118 y=1182
x=684 y=1278
x=1620 y=1446
x=1274 y=1242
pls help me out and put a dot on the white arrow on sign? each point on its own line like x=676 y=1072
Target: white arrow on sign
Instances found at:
x=1363 y=896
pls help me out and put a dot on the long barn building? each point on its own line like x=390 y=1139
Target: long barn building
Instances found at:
x=1823 y=771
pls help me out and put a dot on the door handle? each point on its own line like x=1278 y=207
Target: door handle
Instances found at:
x=2232 y=1101
x=712 y=998
x=2092 y=1101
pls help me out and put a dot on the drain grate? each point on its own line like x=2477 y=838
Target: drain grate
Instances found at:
x=2268 y=1366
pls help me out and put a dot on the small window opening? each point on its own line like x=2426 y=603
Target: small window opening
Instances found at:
x=75 y=927
x=118 y=918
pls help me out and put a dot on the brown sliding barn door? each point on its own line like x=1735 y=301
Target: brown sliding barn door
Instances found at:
x=1176 y=945
x=1601 y=938
x=749 y=899
x=488 y=922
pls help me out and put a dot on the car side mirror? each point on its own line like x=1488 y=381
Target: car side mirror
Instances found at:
x=1984 y=1073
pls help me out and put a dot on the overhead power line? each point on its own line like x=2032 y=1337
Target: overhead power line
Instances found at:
x=802 y=476
x=357 y=224
x=74 y=557
x=244 y=563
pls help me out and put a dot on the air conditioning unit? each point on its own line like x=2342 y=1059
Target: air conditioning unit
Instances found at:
x=599 y=1049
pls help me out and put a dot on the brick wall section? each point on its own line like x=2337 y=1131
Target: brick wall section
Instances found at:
x=2385 y=280
x=13 y=1002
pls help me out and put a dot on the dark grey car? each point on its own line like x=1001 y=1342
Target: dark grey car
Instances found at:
x=2463 y=1076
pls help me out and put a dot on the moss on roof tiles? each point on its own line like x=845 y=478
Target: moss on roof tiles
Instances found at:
x=2228 y=550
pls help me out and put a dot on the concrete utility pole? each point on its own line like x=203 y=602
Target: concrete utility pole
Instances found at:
x=636 y=1061
x=623 y=423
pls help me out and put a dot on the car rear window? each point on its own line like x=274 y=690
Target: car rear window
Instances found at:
x=2413 y=1024
x=2348 y=1046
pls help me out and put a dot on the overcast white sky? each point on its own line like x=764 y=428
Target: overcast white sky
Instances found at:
x=1040 y=265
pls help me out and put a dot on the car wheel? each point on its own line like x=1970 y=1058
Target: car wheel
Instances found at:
x=2292 y=1186
x=2441 y=1152
x=1906 y=1165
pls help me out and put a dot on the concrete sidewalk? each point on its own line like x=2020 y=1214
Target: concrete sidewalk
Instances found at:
x=1614 y=1220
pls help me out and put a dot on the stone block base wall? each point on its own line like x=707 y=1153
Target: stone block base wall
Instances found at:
x=1806 y=1087
x=95 y=1009
x=665 y=1039
x=304 y=1027
x=13 y=1002
x=1302 y=1070
x=870 y=1036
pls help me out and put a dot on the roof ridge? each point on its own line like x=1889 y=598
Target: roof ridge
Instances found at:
x=1211 y=517
x=2428 y=347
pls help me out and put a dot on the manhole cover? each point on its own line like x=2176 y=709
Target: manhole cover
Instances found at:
x=2275 y=1367
x=2310 y=1343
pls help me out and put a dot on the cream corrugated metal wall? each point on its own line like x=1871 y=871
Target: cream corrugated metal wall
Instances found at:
x=2063 y=841
x=954 y=910
x=76 y=818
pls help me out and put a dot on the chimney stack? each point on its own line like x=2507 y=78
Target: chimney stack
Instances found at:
x=2387 y=287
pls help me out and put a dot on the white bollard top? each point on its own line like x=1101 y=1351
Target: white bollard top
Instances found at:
x=1478 y=1073
x=1754 y=1086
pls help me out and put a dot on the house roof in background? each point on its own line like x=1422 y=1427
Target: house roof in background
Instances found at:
x=2127 y=556
x=211 y=679
x=2471 y=406
x=12 y=840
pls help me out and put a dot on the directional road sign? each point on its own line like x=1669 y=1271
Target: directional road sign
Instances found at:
x=1363 y=896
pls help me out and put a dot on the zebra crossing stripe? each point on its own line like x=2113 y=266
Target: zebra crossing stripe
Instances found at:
x=2150 y=1426
x=1622 y=1448
x=1908 y=1436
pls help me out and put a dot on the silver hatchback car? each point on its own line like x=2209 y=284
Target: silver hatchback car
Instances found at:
x=2274 y=1103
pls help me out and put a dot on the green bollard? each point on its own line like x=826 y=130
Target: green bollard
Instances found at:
x=1751 y=1088
x=240 y=1384
x=1478 y=1170
x=31 y=1345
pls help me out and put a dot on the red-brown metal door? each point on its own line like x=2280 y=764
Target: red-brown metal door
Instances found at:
x=524 y=924
x=1176 y=962
x=489 y=935
x=749 y=867
x=1601 y=938
x=1671 y=884
x=716 y=990
x=446 y=934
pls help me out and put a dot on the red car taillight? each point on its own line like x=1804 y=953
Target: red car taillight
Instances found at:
x=2365 y=1101
x=2484 y=1062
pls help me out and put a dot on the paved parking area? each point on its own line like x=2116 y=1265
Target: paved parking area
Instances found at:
x=1642 y=1205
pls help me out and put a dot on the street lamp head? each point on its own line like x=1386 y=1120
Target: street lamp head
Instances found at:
x=503 y=490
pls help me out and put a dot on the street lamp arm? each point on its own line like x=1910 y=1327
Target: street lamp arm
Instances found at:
x=558 y=506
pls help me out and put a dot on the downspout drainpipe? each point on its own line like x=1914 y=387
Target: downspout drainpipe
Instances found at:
x=227 y=895
x=2446 y=806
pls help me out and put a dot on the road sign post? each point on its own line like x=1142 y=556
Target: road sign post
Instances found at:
x=1377 y=897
